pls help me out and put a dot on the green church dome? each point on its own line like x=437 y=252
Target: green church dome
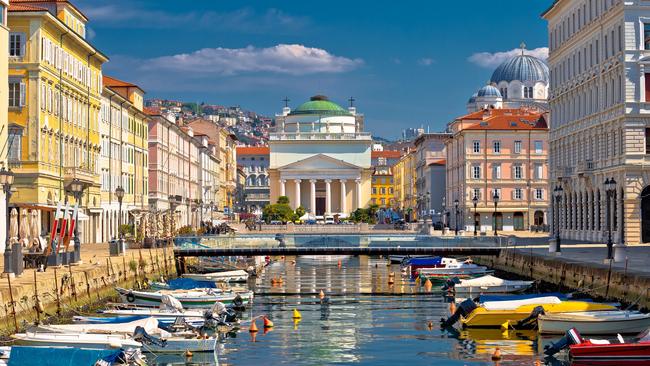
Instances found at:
x=320 y=105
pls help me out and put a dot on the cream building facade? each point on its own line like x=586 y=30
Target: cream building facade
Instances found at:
x=600 y=117
x=4 y=92
x=320 y=158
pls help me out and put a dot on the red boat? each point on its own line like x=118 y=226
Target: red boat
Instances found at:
x=604 y=352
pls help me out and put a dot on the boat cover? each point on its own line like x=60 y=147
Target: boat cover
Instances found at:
x=431 y=261
x=189 y=284
x=489 y=298
x=514 y=304
x=59 y=356
x=490 y=280
x=149 y=324
x=107 y=319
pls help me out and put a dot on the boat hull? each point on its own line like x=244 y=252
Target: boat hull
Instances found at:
x=611 y=354
x=558 y=325
x=75 y=340
x=154 y=299
x=228 y=276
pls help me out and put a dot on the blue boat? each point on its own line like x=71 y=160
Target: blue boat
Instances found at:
x=57 y=356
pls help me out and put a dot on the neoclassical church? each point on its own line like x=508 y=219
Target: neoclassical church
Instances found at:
x=518 y=82
x=320 y=158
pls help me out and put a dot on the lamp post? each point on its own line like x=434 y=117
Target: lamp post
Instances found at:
x=427 y=198
x=119 y=193
x=77 y=189
x=444 y=212
x=7 y=180
x=495 y=198
x=456 y=217
x=610 y=189
x=475 y=202
x=557 y=192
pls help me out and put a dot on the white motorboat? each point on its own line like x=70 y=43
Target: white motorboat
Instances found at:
x=160 y=314
x=225 y=276
x=198 y=298
x=99 y=341
x=595 y=322
x=489 y=284
x=173 y=342
x=318 y=259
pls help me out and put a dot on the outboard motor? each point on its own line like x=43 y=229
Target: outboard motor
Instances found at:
x=463 y=309
x=238 y=304
x=141 y=335
x=571 y=337
x=530 y=321
x=450 y=284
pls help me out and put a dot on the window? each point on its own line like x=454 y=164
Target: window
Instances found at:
x=519 y=172
x=374 y=190
x=539 y=147
x=477 y=146
x=496 y=171
x=496 y=192
x=16 y=44
x=539 y=171
x=497 y=147
x=382 y=190
x=517 y=147
x=647 y=140
x=476 y=172
x=2 y=14
x=539 y=194
x=15 y=142
x=504 y=93
x=383 y=201
x=528 y=92
x=476 y=193
x=517 y=194
x=16 y=93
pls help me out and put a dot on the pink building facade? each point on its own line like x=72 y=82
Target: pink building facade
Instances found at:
x=502 y=153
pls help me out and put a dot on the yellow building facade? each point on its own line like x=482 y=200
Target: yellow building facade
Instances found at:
x=55 y=85
x=404 y=185
x=124 y=156
x=382 y=187
x=4 y=91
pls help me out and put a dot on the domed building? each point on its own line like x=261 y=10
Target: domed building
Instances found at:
x=521 y=81
x=320 y=158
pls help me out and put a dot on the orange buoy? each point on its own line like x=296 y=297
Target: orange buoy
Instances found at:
x=538 y=363
x=253 y=328
x=339 y=263
x=430 y=325
x=428 y=285
x=496 y=356
x=188 y=353
x=267 y=323
x=452 y=307
x=321 y=295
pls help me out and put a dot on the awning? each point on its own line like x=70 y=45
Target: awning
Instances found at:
x=37 y=206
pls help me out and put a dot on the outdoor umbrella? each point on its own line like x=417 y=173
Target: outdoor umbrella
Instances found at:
x=24 y=228
x=13 y=226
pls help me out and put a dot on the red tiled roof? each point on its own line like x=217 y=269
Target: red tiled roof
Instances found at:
x=152 y=111
x=438 y=162
x=388 y=154
x=253 y=150
x=24 y=7
x=116 y=83
x=505 y=119
x=23 y=2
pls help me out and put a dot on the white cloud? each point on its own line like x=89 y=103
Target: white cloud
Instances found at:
x=425 y=61
x=492 y=60
x=293 y=59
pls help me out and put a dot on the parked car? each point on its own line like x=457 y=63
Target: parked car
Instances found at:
x=276 y=222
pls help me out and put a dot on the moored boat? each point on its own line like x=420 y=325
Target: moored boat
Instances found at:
x=594 y=322
x=224 y=276
x=487 y=284
x=96 y=341
x=199 y=298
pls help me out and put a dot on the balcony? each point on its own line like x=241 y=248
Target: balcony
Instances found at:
x=85 y=176
x=586 y=167
x=258 y=197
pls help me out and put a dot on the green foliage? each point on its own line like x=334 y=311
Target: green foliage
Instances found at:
x=283 y=200
x=192 y=107
x=125 y=230
x=278 y=211
x=367 y=215
x=185 y=230
x=300 y=211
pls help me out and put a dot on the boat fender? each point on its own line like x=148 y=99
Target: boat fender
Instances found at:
x=571 y=337
x=130 y=297
x=531 y=320
x=463 y=309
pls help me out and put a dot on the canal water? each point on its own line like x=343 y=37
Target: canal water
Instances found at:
x=363 y=320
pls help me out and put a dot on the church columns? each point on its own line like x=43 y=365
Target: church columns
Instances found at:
x=283 y=188
x=297 y=202
x=328 y=197
x=343 y=208
x=358 y=181
x=312 y=196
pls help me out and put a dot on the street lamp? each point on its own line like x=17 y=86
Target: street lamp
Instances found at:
x=119 y=193
x=558 y=198
x=495 y=198
x=444 y=212
x=456 y=217
x=610 y=189
x=6 y=180
x=77 y=189
x=475 y=202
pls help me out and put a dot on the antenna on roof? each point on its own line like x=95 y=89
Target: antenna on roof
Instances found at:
x=351 y=100
x=286 y=101
x=522 y=45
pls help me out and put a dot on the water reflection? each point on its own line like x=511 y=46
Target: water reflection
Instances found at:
x=361 y=320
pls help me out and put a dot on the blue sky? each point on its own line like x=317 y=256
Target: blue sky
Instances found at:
x=406 y=63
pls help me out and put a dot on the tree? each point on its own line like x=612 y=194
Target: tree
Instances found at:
x=279 y=211
x=283 y=200
x=300 y=211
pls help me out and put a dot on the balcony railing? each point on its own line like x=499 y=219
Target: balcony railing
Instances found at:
x=288 y=136
x=586 y=166
x=84 y=175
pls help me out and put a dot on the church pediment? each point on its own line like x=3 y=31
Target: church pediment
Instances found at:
x=320 y=162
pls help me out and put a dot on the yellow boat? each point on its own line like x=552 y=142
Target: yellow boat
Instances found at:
x=494 y=317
